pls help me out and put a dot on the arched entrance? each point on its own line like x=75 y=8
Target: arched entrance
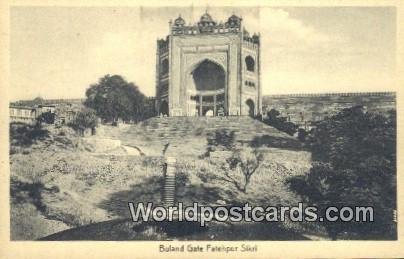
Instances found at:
x=164 y=108
x=251 y=107
x=208 y=76
x=209 y=80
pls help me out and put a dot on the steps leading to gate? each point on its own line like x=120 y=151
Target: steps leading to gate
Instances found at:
x=172 y=128
x=188 y=135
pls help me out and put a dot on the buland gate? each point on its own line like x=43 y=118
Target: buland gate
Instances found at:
x=208 y=69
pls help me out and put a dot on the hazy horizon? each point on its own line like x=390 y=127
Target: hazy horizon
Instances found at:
x=57 y=52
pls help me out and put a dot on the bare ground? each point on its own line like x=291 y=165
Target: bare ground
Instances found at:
x=59 y=186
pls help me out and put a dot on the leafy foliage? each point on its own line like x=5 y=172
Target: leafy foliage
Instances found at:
x=221 y=140
x=84 y=119
x=273 y=119
x=114 y=98
x=354 y=155
x=46 y=117
x=23 y=135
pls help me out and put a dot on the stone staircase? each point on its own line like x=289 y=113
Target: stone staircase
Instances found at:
x=169 y=182
x=170 y=128
x=188 y=136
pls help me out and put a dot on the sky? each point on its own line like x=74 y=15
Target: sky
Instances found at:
x=58 y=52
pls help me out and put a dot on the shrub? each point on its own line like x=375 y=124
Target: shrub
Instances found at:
x=355 y=165
x=221 y=140
x=273 y=119
x=84 y=119
x=46 y=117
x=23 y=135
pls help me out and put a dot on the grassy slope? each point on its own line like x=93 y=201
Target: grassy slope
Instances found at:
x=71 y=187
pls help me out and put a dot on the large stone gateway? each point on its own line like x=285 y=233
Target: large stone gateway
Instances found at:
x=208 y=69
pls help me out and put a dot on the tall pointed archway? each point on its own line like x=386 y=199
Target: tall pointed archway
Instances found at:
x=208 y=76
x=209 y=80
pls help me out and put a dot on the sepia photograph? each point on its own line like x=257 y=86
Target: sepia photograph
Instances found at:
x=211 y=122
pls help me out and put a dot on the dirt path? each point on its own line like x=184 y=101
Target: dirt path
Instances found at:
x=133 y=150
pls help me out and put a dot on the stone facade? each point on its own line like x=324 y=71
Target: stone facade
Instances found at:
x=208 y=69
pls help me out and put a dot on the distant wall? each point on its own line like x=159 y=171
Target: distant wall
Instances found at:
x=304 y=109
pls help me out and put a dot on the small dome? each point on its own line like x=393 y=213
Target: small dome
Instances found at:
x=179 y=21
x=234 y=18
x=206 y=19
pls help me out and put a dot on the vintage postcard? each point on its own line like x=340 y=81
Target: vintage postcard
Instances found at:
x=193 y=129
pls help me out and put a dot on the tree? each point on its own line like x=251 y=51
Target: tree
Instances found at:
x=114 y=98
x=238 y=168
x=84 y=119
x=354 y=155
x=247 y=162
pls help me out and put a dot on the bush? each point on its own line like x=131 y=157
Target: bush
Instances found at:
x=46 y=117
x=23 y=135
x=273 y=119
x=221 y=140
x=84 y=119
x=355 y=165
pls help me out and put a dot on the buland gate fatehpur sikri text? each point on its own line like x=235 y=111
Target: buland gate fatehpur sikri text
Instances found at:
x=208 y=69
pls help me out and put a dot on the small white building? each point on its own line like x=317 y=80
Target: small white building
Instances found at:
x=46 y=108
x=23 y=114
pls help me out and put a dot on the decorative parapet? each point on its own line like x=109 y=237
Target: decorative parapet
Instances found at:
x=250 y=45
x=206 y=25
x=195 y=30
